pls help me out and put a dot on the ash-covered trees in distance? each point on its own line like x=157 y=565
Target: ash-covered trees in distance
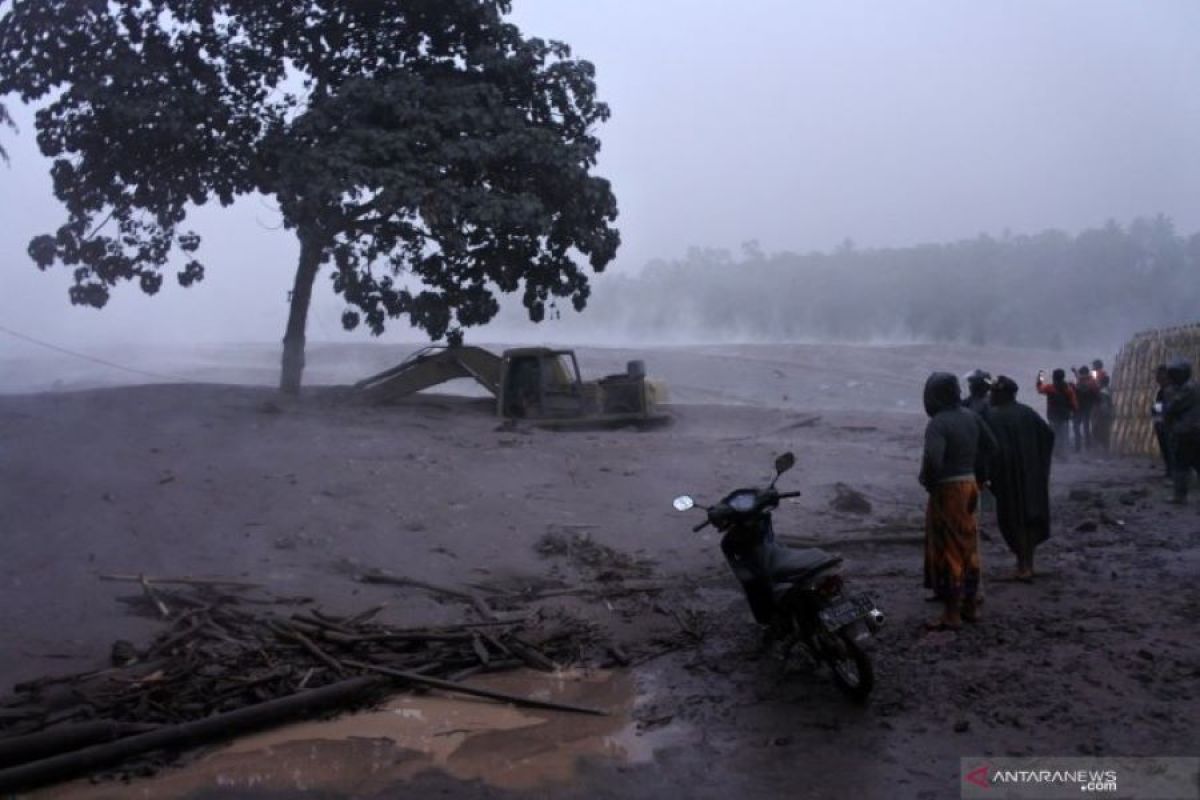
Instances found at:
x=425 y=150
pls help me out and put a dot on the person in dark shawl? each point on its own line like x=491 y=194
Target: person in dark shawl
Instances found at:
x=978 y=385
x=1020 y=474
x=957 y=442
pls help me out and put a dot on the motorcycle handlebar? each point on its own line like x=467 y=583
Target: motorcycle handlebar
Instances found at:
x=700 y=527
x=783 y=495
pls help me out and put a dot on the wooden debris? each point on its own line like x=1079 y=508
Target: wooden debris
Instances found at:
x=184 y=581
x=64 y=738
x=379 y=576
x=231 y=662
x=218 y=726
x=163 y=611
x=451 y=686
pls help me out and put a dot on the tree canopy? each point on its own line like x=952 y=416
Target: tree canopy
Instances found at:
x=425 y=149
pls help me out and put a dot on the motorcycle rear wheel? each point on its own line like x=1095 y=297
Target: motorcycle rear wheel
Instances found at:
x=852 y=670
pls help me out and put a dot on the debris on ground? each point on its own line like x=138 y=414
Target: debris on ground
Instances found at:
x=233 y=658
x=593 y=559
x=849 y=500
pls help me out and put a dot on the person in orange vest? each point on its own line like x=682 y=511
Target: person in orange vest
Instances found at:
x=1061 y=405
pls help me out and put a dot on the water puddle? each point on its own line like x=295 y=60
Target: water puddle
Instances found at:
x=469 y=739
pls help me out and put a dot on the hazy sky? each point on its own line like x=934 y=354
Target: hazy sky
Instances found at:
x=793 y=123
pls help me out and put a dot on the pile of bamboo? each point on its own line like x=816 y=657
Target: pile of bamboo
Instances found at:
x=1134 y=386
x=226 y=664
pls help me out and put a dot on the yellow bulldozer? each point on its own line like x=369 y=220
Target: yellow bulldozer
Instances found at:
x=538 y=384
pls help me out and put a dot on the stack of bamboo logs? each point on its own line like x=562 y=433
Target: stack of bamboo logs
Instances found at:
x=227 y=663
x=1134 y=386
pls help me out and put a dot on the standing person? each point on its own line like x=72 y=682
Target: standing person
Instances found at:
x=1060 y=406
x=1182 y=417
x=1087 y=393
x=1103 y=415
x=1156 y=414
x=1020 y=474
x=1098 y=371
x=979 y=383
x=956 y=442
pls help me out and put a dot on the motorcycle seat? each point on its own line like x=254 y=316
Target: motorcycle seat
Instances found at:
x=796 y=563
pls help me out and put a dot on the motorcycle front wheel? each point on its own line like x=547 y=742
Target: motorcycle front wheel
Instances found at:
x=852 y=670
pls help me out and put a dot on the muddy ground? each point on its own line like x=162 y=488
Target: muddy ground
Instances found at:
x=1100 y=655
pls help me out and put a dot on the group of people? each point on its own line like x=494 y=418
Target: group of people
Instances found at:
x=986 y=441
x=1176 y=415
x=1084 y=405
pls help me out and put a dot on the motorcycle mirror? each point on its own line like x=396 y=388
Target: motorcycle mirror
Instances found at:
x=784 y=463
x=683 y=503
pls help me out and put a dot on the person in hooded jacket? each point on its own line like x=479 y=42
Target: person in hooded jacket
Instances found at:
x=1182 y=418
x=957 y=441
x=1020 y=474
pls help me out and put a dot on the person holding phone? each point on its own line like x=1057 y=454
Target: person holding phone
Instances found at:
x=1061 y=406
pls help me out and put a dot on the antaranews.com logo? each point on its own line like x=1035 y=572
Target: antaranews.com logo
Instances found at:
x=1051 y=778
x=1086 y=780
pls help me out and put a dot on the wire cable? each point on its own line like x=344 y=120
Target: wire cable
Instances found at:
x=94 y=359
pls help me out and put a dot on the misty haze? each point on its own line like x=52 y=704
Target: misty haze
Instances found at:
x=260 y=539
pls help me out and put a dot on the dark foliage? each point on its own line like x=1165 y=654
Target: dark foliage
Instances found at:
x=424 y=148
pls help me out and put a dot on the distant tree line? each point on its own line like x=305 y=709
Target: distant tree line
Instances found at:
x=1050 y=289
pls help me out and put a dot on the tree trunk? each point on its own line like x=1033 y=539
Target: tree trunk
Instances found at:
x=293 y=339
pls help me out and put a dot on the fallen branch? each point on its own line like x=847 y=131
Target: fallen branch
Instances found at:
x=601 y=591
x=163 y=611
x=65 y=738
x=185 y=581
x=491 y=694
x=379 y=576
x=307 y=644
x=218 y=726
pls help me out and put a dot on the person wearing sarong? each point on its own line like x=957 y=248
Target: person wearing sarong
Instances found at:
x=1020 y=474
x=957 y=444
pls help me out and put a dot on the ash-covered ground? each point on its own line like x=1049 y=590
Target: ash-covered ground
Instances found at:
x=1099 y=656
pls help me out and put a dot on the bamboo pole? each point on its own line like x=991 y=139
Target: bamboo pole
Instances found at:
x=218 y=726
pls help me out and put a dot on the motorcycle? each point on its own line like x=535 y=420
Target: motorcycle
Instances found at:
x=796 y=594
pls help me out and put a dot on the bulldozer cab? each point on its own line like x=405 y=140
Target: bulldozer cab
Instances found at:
x=540 y=383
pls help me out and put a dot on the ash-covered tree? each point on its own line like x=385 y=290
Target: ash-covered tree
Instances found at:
x=424 y=149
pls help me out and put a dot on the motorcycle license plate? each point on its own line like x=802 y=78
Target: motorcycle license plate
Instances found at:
x=846 y=611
